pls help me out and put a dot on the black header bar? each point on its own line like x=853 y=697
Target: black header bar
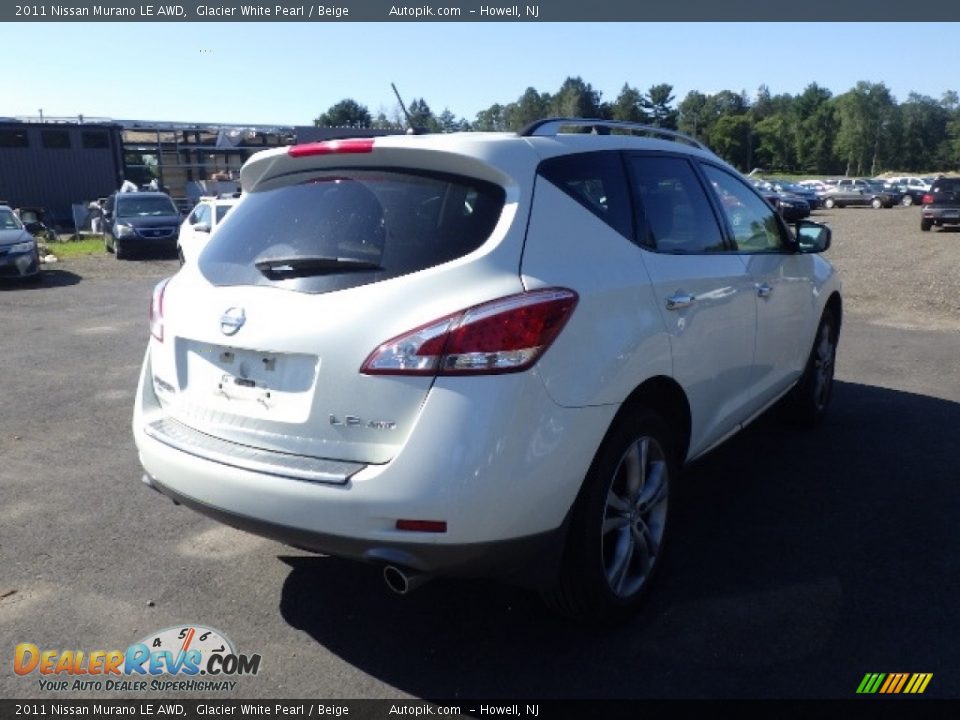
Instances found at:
x=856 y=11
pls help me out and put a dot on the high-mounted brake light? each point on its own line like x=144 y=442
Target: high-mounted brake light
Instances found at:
x=332 y=147
x=502 y=336
x=156 y=309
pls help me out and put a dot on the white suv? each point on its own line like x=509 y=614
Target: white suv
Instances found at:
x=199 y=225
x=481 y=354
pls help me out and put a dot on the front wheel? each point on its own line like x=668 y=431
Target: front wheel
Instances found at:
x=829 y=203
x=877 y=203
x=807 y=402
x=619 y=525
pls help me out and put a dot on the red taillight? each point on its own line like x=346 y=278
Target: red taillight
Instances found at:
x=156 y=309
x=332 y=147
x=431 y=526
x=927 y=199
x=505 y=335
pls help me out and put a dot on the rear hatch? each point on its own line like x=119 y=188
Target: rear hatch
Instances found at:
x=945 y=193
x=326 y=258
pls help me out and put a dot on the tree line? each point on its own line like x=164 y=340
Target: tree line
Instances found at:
x=863 y=131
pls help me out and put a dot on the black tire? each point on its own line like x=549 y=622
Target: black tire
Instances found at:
x=119 y=252
x=876 y=203
x=907 y=200
x=807 y=403
x=619 y=526
x=829 y=203
x=925 y=225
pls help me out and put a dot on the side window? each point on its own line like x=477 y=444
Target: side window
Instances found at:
x=597 y=181
x=674 y=214
x=754 y=223
x=194 y=217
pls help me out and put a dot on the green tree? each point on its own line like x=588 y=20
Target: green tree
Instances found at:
x=694 y=115
x=529 y=107
x=657 y=104
x=576 y=99
x=862 y=140
x=730 y=139
x=490 y=120
x=628 y=106
x=421 y=116
x=816 y=127
x=346 y=113
x=449 y=123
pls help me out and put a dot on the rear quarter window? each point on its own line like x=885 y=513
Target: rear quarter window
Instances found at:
x=379 y=223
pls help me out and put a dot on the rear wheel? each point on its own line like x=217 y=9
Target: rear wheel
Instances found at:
x=618 y=530
x=907 y=200
x=925 y=225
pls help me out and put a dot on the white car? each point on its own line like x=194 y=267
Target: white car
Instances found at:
x=199 y=225
x=481 y=354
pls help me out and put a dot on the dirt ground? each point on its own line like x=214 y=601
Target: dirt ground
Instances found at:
x=894 y=274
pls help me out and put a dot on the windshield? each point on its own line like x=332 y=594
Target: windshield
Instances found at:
x=9 y=221
x=131 y=207
x=343 y=228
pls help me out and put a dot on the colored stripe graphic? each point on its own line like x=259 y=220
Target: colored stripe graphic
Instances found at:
x=894 y=683
x=870 y=683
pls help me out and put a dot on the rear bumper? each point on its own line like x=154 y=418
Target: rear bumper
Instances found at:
x=494 y=458
x=941 y=216
x=530 y=561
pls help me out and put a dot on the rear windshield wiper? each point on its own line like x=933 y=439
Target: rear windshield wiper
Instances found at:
x=306 y=265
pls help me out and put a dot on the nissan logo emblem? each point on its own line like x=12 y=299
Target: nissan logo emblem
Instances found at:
x=232 y=320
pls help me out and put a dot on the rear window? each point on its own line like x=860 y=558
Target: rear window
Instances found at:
x=343 y=228
x=946 y=185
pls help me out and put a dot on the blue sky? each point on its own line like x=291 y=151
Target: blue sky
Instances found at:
x=288 y=73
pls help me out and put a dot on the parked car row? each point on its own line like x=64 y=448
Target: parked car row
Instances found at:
x=887 y=191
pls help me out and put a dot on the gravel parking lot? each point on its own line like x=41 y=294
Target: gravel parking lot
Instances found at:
x=801 y=560
x=893 y=273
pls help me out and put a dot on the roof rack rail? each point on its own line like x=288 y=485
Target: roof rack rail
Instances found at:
x=552 y=126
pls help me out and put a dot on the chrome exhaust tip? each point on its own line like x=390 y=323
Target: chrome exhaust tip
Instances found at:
x=401 y=581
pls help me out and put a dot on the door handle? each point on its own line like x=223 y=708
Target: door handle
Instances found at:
x=764 y=290
x=678 y=300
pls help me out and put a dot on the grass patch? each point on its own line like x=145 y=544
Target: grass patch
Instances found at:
x=78 y=247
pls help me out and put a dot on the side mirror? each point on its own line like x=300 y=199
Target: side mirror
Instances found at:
x=812 y=237
x=35 y=228
x=201 y=227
